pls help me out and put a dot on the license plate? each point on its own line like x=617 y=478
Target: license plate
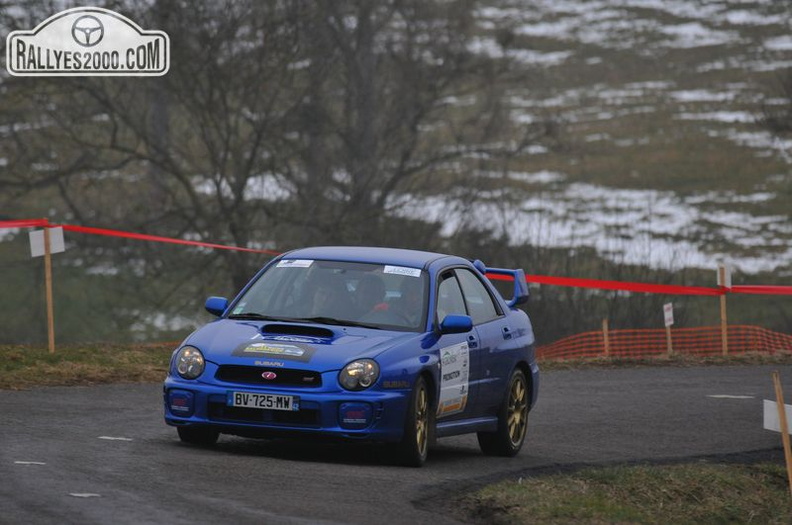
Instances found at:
x=263 y=401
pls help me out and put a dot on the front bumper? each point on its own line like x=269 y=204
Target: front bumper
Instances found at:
x=373 y=415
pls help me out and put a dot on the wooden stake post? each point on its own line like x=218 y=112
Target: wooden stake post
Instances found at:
x=669 y=345
x=45 y=242
x=48 y=287
x=606 y=337
x=724 y=320
x=782 y=421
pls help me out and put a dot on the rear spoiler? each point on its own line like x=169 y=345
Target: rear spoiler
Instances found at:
x=521 y=293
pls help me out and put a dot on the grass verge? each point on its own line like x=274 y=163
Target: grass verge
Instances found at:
x=24 y=367
x=692 y=493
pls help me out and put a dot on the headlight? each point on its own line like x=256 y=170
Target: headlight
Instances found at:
x=189 y=362
x=359 y=375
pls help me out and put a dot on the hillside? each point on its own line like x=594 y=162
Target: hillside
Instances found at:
x=662 y=159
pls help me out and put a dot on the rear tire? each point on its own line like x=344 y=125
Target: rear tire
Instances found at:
x=418 y=427
x=512 y=420
x=201 y=436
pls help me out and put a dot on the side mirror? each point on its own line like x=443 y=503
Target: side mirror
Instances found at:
x=456 y=324
x=216 y=305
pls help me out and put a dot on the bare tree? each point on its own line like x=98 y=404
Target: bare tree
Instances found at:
x=285 y=122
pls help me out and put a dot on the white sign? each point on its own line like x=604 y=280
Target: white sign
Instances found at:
x=294 y=263
x=37 y=242
x=454 y=379
x=727 y=276
x=87 y=41
x=668 y=313
x=771 y=421
x=402 y=270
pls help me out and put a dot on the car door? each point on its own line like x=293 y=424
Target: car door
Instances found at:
x=458 y=354
x=494 y=356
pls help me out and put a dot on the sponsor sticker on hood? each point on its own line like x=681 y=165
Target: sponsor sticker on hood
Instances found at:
x=295 y=352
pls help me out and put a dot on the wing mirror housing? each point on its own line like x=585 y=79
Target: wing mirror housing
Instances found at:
x=216 y=305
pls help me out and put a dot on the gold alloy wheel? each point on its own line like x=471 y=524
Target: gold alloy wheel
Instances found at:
x=421 y=419
x=517 y=415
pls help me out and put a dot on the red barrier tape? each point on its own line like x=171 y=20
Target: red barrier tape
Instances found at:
x=762 y=290
x=24 y=223
x=670 y=289
x=615 y=285
x=598 y=284
x=32 y=223
x=157 y=238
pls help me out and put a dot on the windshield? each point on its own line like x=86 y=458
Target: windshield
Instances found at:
x=335 y=292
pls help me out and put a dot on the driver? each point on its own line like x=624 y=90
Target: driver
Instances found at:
x=326 y=298
x=410 y=304
x=370 y=295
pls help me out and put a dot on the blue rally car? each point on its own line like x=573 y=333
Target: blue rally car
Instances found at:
x=378 y=344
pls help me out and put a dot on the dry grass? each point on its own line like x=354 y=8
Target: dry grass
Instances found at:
x=695 y=493
x=23 y=367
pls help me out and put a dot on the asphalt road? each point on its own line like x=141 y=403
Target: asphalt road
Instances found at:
x=103 y=454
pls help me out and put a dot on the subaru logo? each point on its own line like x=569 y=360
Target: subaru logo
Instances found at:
x=269 y=376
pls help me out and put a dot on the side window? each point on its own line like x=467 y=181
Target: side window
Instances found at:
x=479 y=301
x=449 y=297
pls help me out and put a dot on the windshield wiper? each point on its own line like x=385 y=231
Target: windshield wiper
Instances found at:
x=254 y=316
x=339 y=322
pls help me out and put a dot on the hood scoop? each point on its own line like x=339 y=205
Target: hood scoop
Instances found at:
x=299 y=330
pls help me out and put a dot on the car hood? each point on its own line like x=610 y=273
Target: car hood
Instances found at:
x=315 y=347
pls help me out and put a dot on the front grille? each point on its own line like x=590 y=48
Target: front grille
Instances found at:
x=302 y=417
x=252 y=375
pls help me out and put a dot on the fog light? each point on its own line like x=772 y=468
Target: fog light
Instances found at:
x=181 y=403
x=354 y=416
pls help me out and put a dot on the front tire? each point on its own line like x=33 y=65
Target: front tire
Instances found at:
x=418 y=426
x=201 y=436
x=512 y=420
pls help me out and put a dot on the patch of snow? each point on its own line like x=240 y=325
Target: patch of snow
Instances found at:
x=563 y=29
x=490 y=48
x=8 y=233
x=779 y=43
x=694 y=34
x=538 y=177
x=728 y=197
x=268 y=187
x=752 y=18
x=626 y=225
x=720 y=116
x=702 y=95
x=763 y=140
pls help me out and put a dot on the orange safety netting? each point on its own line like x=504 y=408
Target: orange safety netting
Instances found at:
x=651 y=342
